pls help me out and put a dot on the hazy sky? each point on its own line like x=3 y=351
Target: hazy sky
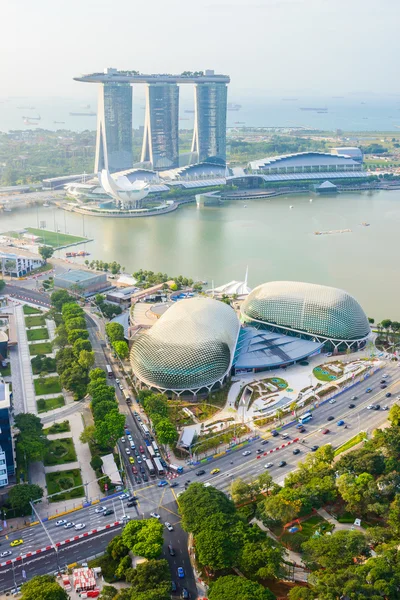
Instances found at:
x=266 y=46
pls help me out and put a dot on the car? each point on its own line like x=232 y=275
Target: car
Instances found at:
x=145 y=478
x=302 y=429
x=187 y=483
x=330 y=418
x=128 y=451
x=328 y=354
x=131 y=460
x=332 y=401
x=246 y=453
x=134 y=470
x=264 y=442
x=168 y=526
x=296 y=451
x=173 y=484
x=171 y=550
x=60 y=522
x=377 y=407
x=340 y=423
x=285 y=436
x=80 y=526
x=116 y=380
x=382 y=381
x=368 y=390
x=385 y=407
x=125 y=517
x=108 y=512
x=138 y=460
x=370 y=407
x=16 y=543
x=6 y=553
x=385 y=376
x=99 y=509
x=185 y=593
x=155 y=515
x=141 y=449
x=388 y=394
x=138 y=479
x=259 y=451
x=138 y=418
x=214 y=471
x=351 y=405
x=283 y=463
x=69 y=525
x=122 y=440
x=162 y=483
x=274 y=433
x=383 y=386
x=314 y=448
x=325 y=431
x=130 y=438
x=201 y=472
x=268 y=465
x=132 y=445
x=131 y=503
x=181 y=573
x=353 y=398
x=123 y=496
x=173 y=586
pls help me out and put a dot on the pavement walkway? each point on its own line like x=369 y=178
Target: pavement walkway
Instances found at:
x=27 y=388
x=338 y=526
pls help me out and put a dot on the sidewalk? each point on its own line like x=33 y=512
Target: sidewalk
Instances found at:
x=28 y=391
x=338 y=526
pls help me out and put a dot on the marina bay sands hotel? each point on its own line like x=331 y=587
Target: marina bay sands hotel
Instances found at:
x=161 y=128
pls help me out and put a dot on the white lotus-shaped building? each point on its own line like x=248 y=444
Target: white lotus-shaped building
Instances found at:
x=126 y=194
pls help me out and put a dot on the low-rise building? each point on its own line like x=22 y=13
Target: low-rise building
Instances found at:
x=121 y=296
x=19 y=265
x=83 y=282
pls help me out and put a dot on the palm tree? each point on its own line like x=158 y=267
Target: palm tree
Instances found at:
x=279 y=414
x=293 y=407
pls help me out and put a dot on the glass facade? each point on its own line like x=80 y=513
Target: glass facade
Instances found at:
x=209 y=137
x=161 y=134
x=305 y=307
x=190 y=347
x=114 y=128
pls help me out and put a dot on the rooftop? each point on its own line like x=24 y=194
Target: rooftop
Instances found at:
x=76 y=275
x=302 y=159
x=114 y=76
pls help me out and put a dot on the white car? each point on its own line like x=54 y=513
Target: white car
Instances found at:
x=285 y=436
x=385 y=376
x=100 y=509
x=130 y=438
x=155 y=515
x=268 y=465
x=353 y=398
x=123 y=496
x=117 y=380
x=332 y=401
x=127 y=450
x=5 y=553
x=398 y=398
x=61 y=522
x=370 y=407
x=80 y=526
x=125 y=517
x=69 y=525
x=168 y=526
x=246 y=453
x=123 y=440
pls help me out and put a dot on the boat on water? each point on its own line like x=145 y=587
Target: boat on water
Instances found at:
x=291 y=206
x=46 y=205
x=331 y=231
x=365 y=224
x=74 y=254
x=310 y=200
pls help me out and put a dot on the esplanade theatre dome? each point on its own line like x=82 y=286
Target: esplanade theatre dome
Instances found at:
x=190 y=348
x=307 y=309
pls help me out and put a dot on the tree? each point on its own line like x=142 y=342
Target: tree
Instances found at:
x=21 y=494
x=121 y=348
x=110 y=429
x=31 y=441
x=241 y=491
x=75 y=323
x=77 y=334
x=43 y=587
x=336 y=551
x=88 y=435
x=394 y=415
x=75 y=380
x=262 y=560
x=144 y=538
x=101 y=393
x=217 y=542
x=104 y=408
x=293 y=408
x=394 y=515
x=150 y=575
x=116 y=548
x=86 y=358
x=166 y=431
x=232 y=587
x=96 y=374
x=362 y=460
x=301 y=593
x=358 y=491
x=46 y=252
x=59 y=298
x=80 y=345
x=198 y=503
x=108 y=592
x=71 y=310
x=61 y=338
x=156 y=405
x=371 y=320
x=279 y=509
x=115 y=332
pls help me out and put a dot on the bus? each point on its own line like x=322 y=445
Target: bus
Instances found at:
x=159 y=467
x=145 y=429
x=175 y=468
x=305 y=418
x=156 y=450
x=150 y=467
x=151 y=451
x=127 y=396
x=109 y=371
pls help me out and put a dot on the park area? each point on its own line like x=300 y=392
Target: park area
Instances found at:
x=55 y=239
x=35 y=335
x=59 y=482
x=300 y=531
x=31 y=310
x=47 y=385
x=59 y=452
x=46 y=404
x=43 y=348
x=329 y=371
x=35 y=321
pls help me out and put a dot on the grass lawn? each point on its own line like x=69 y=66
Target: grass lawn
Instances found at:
x=62 y=481
x=47 y=385
x=35 y=321
x=37 y=334
x=293 y=541
x=46 y=404
x=43 y=348
x=59 y=452
x=351 y=442
x=323 y=373
x=58 y=428
x=54 y=239
x=5 y=371
x=30 y=310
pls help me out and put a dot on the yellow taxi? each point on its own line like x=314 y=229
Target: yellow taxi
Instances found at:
x=214 y=471
x=131 y=460
x=16 y=543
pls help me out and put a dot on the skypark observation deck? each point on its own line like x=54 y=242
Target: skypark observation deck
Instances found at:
x=132 y=77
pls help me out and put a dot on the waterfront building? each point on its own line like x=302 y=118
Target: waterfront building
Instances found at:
x=160 y=143
x=305 y=163
x=19 y=265
x=161 y=126
x=84 y=282
x=114 y=127
x=190 y=348
x=309 y=311
x=7 y=464
x=209 y=135
x=126 y=194
x=351 y=151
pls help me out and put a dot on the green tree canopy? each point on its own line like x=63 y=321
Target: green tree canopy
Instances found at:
x=43 y=587
x=74 y=323
x=46 y=252
x=86 y=358
x=110 y=429
x=21 y=494
x=80 y=345
x=262 y=560
x=101 y=409
x=336 y=551
x=150 y=575
x=115 y=332
x=144 y=538
x=59 y=298
x=198 y=503
x=218 y=541
x=97 y=374
x=155 y=405
x=77 y=334
x=166 y=431
x=75 y=379
x=101 y=393
x=301 y=593
x=233 y=587
x=31 y=441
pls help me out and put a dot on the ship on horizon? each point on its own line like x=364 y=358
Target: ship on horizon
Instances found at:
x=82 y=114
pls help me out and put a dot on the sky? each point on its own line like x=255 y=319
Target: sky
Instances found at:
x=268 y=47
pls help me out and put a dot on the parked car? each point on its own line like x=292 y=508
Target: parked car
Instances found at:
x=330 y=418
x=155 y=515
x=340 y=423
x=168 y=526
x=325 y=431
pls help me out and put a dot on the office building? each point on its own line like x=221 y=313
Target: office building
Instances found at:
x=7 y=465
x=19 y=265
x=209 y=135
x=114 y=127
x=161 y=127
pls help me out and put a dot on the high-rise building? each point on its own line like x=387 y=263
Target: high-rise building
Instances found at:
x=114 y=127
x=209 y=136
x=161 y=128
x=7 y=465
